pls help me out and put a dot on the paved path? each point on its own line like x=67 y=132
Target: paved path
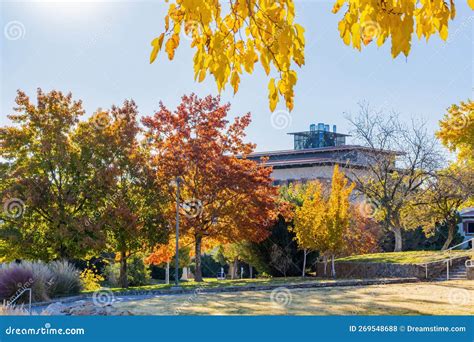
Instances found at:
x=134 y=295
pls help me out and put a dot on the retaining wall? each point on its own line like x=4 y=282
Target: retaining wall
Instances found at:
x=346 y=269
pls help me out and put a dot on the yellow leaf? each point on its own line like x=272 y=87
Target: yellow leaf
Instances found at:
x=265 y=63
x=202 y=75
x=300 y=33
x=471 y=3
x=443 y=33
x=355 y=30
x=234 y=81
x=171 y=45
x=156 y=43
x=272 y=94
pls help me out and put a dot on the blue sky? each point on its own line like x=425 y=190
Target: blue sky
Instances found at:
x=100 y=50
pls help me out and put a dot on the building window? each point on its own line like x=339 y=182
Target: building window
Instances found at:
x=470 y=227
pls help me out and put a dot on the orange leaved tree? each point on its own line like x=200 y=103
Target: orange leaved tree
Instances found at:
x=231 y=196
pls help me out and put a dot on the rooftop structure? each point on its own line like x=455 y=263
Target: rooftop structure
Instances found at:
x=314 y=155
x=318 y=136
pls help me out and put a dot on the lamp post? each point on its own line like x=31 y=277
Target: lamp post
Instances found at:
x=177 y=182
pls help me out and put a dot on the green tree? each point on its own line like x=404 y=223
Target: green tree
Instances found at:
x=51 y=175
x=440 y=200
x=132 y=211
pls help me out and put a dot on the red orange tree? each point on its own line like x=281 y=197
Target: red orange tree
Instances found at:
x=232 y=195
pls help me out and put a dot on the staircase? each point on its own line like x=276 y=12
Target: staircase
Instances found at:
x=458 y=272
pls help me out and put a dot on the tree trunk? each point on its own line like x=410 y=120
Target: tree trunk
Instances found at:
x=397 y=232
x=450 y=238
x=304 y=263
x=123 y=279
x=167 y=275
x=250 y=271
x=325 y=260
x=333 y=267
x=234 y=274
x=197 y=260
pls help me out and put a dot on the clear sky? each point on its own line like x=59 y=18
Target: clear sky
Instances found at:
x=100 y=50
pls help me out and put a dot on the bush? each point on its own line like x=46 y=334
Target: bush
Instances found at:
x=42 y=280
x=13 y=279
x=416 y=239
x=112 y=273
x=159 y=272
x=281 y=239
x=91 y=280
x=66 y=279
x=138 y=274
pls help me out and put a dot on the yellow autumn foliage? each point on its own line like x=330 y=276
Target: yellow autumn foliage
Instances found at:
x=230 y=37
x=321 y=223
x=457 y=131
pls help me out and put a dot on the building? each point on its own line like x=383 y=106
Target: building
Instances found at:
x=314 y=155
x=466 y=226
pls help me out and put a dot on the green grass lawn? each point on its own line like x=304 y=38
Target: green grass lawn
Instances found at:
x=414 y=257
x=437 y=298
x=214 y=283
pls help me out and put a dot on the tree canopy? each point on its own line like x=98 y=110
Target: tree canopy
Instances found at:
x=232 y=196
x=230 y=38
